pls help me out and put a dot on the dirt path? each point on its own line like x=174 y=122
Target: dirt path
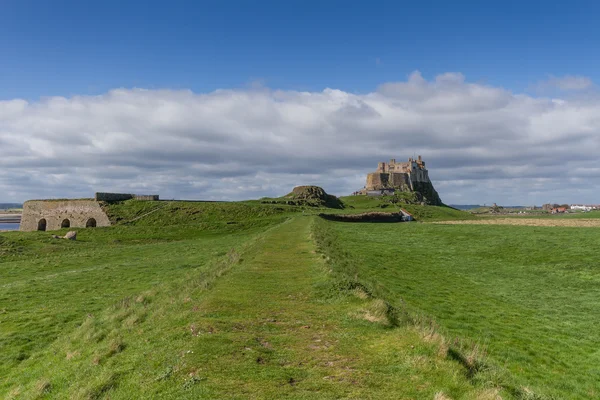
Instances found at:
x=268 y=330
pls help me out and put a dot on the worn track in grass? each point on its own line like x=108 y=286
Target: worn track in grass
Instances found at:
x=266 y=330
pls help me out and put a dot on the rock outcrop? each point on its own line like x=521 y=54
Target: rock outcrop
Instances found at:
x=71 y=235
x=313 y=196
x=427 y=193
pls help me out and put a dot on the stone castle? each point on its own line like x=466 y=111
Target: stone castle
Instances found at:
x=410 y=176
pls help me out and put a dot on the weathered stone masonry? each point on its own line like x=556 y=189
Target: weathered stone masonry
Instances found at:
x=100 y=196
x=51 y=215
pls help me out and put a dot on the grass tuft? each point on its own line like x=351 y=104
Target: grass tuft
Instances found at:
x=43 y=387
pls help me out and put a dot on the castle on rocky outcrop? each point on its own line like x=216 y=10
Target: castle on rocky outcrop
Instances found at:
x=410 y=176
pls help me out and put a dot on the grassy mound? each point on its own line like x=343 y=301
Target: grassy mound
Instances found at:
x=210 y=215
x=310 y=196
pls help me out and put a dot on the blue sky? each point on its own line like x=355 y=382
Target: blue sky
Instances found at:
x=77 y=47
x=243 y=99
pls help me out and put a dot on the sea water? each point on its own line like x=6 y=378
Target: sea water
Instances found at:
x=9 y=227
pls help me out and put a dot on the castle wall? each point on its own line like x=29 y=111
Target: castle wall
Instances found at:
x=78 y=212
x=399 y=180
x=419 y=175
x=378 y=180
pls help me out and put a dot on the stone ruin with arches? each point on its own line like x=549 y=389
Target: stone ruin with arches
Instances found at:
x=50 y=215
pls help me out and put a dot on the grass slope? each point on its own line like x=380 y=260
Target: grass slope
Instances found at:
x=356 y=204
x=528 y=295
x=49 y=287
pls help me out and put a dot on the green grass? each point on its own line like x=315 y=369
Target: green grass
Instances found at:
x=210 y=215
x=203 y=300
x=49 y=286
x=528 y=295
x=359 y=204
x=249 y=300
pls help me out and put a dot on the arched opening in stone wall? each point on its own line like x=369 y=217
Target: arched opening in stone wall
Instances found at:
x=42 y=224
x=65 y=224
x=91 y=223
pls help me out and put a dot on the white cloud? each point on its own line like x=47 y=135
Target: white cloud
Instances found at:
x=482 y=143
x=566 y=83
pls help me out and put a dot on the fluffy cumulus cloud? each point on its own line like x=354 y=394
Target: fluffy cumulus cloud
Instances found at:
x=481 y=143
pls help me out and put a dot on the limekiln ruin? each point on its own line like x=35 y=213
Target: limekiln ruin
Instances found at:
x=50 y=215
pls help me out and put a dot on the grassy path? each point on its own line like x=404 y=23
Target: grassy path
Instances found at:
x=269 y=329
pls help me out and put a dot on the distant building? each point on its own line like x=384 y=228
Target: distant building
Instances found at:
x=380 y=192
x=583 y=207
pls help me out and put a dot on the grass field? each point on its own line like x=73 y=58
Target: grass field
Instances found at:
x=527 y=295
x=359 y=204
x=196 y=300
x=563 y=222
x=49 y=287
x=245 y=300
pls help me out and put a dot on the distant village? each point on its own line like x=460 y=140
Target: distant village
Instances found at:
x=547 y=208
x=556 y=208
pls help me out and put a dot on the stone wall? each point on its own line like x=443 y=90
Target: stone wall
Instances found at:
x=364 y=217
x=78 y=213
x=376 y=180
x=146 y=197
x=102 y=196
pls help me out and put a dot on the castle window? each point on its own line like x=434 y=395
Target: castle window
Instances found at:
x=91 y=223
x=65 y=224
x=42 y=224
